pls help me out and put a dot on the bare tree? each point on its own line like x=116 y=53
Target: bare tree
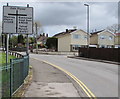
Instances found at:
x=38 y=27
x=114 y=28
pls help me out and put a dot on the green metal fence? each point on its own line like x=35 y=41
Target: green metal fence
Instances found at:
x=13 y=75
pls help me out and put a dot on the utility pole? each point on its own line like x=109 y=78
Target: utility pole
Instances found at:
x=88 y=35
x=36 y=37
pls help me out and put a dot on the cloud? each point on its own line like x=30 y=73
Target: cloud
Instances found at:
x=59 y=13
x=102 y=14
x=57 y=16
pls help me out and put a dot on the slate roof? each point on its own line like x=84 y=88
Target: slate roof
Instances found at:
x=97 y=32
x=41 y=38
x=64 y=33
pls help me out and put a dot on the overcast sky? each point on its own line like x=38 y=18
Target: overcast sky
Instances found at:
x=55 y=17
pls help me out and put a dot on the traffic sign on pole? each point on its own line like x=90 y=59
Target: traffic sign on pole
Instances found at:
x=17 y=20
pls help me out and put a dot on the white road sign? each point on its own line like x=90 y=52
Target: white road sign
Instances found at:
x=18 y=20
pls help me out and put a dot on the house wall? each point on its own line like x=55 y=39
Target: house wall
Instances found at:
x=64 y=43
x=117 y=40
x=81 y=41
x=107 y=40
x=94 y=39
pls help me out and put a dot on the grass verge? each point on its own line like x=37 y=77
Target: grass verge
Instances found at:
x=3 y=58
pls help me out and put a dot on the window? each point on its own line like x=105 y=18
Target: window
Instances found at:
x=110 y=37
x=102 y=46
x=102 y=37
x=76 y=36
x=75 y=47
x=85 y=37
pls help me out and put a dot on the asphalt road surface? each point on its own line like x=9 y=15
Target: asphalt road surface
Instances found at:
x=100 y=78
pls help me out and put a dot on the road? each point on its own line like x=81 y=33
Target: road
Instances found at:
x=100 y=78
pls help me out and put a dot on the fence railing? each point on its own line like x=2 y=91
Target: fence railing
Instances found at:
x=13 y=53
x=13 y=75
x=110 y=54
x=18 y=55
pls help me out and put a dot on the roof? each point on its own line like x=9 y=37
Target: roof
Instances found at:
x=102 y=31
x=97 y=32
x=41 y=38
x=64 y=33
x=117 y=34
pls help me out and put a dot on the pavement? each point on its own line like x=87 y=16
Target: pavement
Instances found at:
x=56 y=53
x=49 y=82
x=97 y=60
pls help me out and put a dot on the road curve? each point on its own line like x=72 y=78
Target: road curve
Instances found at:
x=100 y=78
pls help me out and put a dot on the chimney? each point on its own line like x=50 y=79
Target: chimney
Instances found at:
x=43 y=34
x=66 y=30
x=46 y=35
x=40 y=34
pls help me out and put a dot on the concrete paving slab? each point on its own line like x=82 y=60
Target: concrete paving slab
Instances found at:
x=40 y=89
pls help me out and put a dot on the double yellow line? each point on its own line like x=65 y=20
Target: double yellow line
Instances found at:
x=81 y=84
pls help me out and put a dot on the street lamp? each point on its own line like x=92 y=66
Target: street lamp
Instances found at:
x=88 y=37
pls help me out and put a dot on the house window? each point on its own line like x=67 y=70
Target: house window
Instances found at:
x=75 y=47
x=102 y=37
x=110 y=37
x=102 y=46
x=85 y=37
x=76 y=36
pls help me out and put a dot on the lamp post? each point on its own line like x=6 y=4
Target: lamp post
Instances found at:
x=88 y=37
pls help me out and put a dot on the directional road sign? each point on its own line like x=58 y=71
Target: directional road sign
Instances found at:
x=18 y=20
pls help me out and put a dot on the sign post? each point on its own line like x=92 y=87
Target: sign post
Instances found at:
x=7 y=48
x=27 y=52
x=17 y=20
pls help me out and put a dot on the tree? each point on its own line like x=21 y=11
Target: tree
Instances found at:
x=1 y=40
x=20 y=39
x=52 y=43
x=14 y=40
x=38 y=27
x=114 y=28
x=31 y=40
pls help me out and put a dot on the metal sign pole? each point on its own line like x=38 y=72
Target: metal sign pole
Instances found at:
x=7 y=45
x=27 y=38
x=27 y=45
